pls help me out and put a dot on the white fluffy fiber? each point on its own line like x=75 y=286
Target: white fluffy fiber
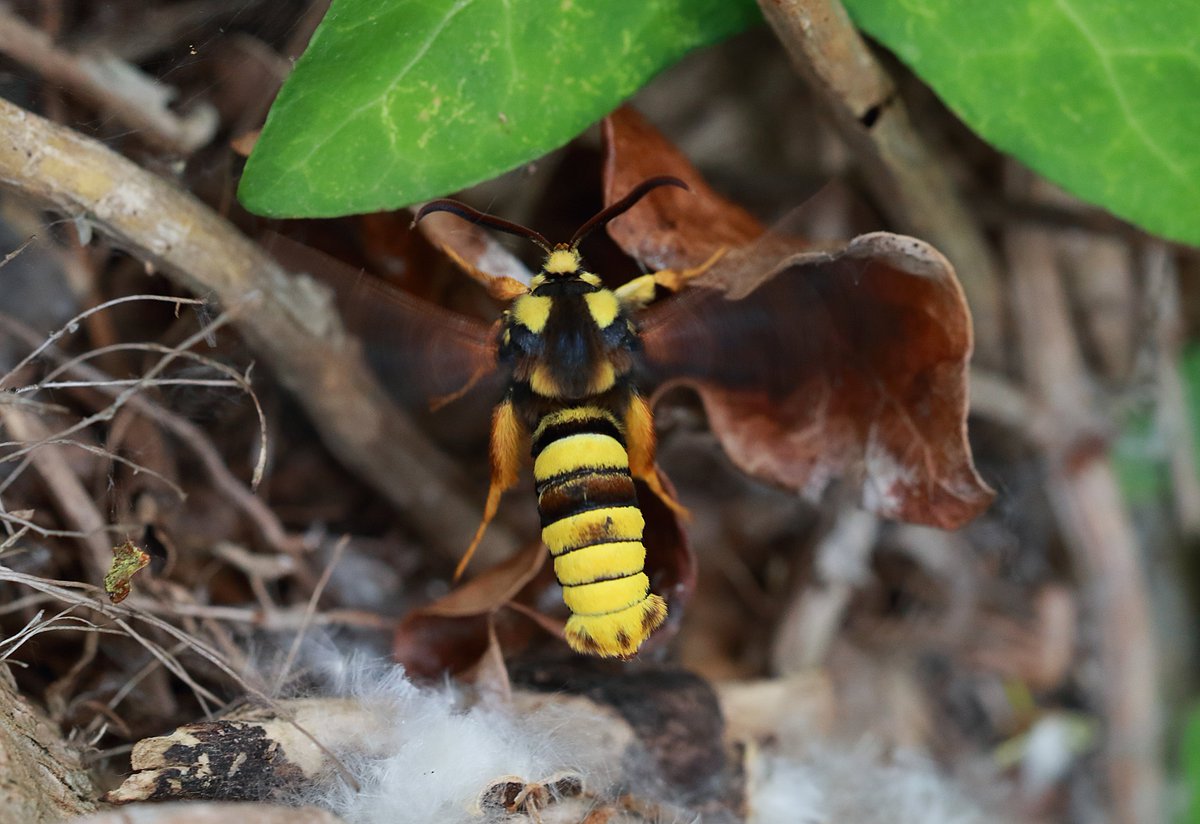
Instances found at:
x=432 y=756
x=857 y=786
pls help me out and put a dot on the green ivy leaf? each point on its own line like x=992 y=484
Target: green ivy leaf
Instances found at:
x=1099 y=96
x=397 y=101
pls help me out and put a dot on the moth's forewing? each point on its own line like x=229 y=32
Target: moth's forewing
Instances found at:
x=422 y=351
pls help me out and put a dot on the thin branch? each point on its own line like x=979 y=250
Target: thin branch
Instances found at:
x=309 y=612
x=107 y=454
x=194 y=438
x=71 y=326
x=293 y=324
x=235 y=379
x=114 y=86
x=74 y=502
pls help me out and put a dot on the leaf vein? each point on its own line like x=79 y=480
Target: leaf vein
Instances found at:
x=1135 y=123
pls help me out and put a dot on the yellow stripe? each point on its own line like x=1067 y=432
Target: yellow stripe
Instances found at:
x=575 y=413
x=618 y=634
x=584 y=450
x=596 y=526
x=531 y=311
x=584 y=566
x=605 y=597
x=603 y=305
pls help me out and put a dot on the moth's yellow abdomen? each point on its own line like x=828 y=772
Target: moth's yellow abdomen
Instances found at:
x=617 y=634
x=593 y=527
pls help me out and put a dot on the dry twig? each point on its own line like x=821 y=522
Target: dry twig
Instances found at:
x=74 y=502
x=75 y=593
x=293 y=323
x=118 y=88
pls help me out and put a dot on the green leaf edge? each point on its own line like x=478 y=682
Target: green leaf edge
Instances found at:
x=258 y=195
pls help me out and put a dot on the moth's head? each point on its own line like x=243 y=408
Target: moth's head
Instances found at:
x=562 y=261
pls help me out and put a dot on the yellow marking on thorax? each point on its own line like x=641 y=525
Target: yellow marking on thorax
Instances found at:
x=584 y=450
x=532 y=312
x=605 y=525
x=603 y=306
x=602 y=379
x=589 y=278
x=542 y=383
x=562 y=262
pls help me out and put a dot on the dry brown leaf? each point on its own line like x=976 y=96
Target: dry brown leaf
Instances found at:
x=451 y=634
x=812 y=366
x=670 y=227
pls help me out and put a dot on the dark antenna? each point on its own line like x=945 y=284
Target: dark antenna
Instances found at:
x=475 y=216
x=624 y=205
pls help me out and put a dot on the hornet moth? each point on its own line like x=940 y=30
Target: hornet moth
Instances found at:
x=811 y=366
x=567 y=347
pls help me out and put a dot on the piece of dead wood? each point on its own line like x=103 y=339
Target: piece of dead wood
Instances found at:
x=184 y=812
x=909 y=181
x=663 y=730
x=41 y=779
x=289 y=320
x=255 y=754
x=117 y=88
x=251 y=755
x=786 y=713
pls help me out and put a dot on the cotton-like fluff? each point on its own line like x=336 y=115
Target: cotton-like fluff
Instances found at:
x=427 y=758
x=832 y=785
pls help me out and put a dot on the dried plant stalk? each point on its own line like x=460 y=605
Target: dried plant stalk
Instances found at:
x=290 y=321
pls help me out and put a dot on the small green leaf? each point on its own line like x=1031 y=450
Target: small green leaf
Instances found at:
x=1099 y=96
x=128 y=560
x=395 y=102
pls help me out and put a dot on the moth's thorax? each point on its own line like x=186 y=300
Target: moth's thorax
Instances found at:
x=568 y=338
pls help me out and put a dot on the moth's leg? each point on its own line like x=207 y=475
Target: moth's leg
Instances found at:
x=675 y=279
x=508 y=444
x=639 y=438
x=441 y=400
x=637 y=293
x=640 y=291
x=500 y=287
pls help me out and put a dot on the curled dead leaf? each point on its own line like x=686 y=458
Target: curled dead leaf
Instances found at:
x=812 y=366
